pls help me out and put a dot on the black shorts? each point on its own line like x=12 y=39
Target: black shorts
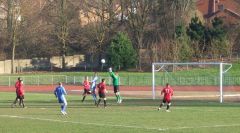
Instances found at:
x=116 y=88
x=86 y=92
x=20 y=97
x=166 y=100
x=102 y=95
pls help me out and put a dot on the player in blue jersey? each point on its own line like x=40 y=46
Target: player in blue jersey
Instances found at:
x=60 y=93
x=93 y=87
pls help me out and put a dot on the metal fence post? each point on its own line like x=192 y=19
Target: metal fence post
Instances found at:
x=9 y=81
x=74 y=80
x=38 y=81
x=128 y=80
x=24 y=79
x=52 y=79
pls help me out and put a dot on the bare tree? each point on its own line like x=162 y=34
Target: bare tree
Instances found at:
x=60 y=14
x=171 y=14
x=13 y=22
x=63 y=30
x=3 y=32
x=101 y=19
x=17 y=26
x=233 y=35
x=139 y=11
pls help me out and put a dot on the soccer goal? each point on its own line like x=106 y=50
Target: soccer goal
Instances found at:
x=193 y=80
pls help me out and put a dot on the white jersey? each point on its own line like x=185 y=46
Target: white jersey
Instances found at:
x=94 y=83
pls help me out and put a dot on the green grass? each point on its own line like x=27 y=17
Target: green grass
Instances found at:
x=134 y=115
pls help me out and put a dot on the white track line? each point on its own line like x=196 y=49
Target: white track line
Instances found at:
x=206 y=96
x=231 y=95
x=196 y=96
x=211 y=126
x=112 y=125
x=76 y=90
x=82 y=123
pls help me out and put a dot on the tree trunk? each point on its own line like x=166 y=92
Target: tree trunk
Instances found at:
x=140 y=39
x=9 y=17
x=11 y=34
x=63 y=31
x=14 y=43
x=92 y=60
x=63 y=55
x=13 y=55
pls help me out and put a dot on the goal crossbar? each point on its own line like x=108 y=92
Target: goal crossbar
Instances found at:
x=221 y=72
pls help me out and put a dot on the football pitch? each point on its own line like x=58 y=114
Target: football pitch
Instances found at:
x=134 y=115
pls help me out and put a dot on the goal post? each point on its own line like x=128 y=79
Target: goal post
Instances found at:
x=190 y=74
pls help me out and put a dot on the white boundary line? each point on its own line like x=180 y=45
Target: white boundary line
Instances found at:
x=206 y=96
x=76 y=90
x=112 y=125
x=82 y=123
x=231 y=95
x=211 y=126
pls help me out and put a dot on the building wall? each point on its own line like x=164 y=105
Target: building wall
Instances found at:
x=56 y=61
x=228 y=10
x=5 y=66
x=71 y=61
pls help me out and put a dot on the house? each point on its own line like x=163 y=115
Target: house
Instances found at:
x=227 y=10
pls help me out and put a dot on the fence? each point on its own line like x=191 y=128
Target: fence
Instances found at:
x=127 y=80
x=42 y=80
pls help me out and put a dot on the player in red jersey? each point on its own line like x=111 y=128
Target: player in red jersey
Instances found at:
x=168 y=93
x=102 y=93
x=17 y=97
x=20 y=93
x=86 y=85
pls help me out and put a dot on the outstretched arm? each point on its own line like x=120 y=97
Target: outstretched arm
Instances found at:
x=55 y=93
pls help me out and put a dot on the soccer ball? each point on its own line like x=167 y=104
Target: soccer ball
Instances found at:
x=103 y=61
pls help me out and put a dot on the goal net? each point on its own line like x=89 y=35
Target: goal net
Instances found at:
x=194 y=80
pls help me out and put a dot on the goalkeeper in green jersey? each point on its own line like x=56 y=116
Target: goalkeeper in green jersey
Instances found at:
x=115 y=79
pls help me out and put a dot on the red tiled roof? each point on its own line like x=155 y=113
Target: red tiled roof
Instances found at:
x=229 y=10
